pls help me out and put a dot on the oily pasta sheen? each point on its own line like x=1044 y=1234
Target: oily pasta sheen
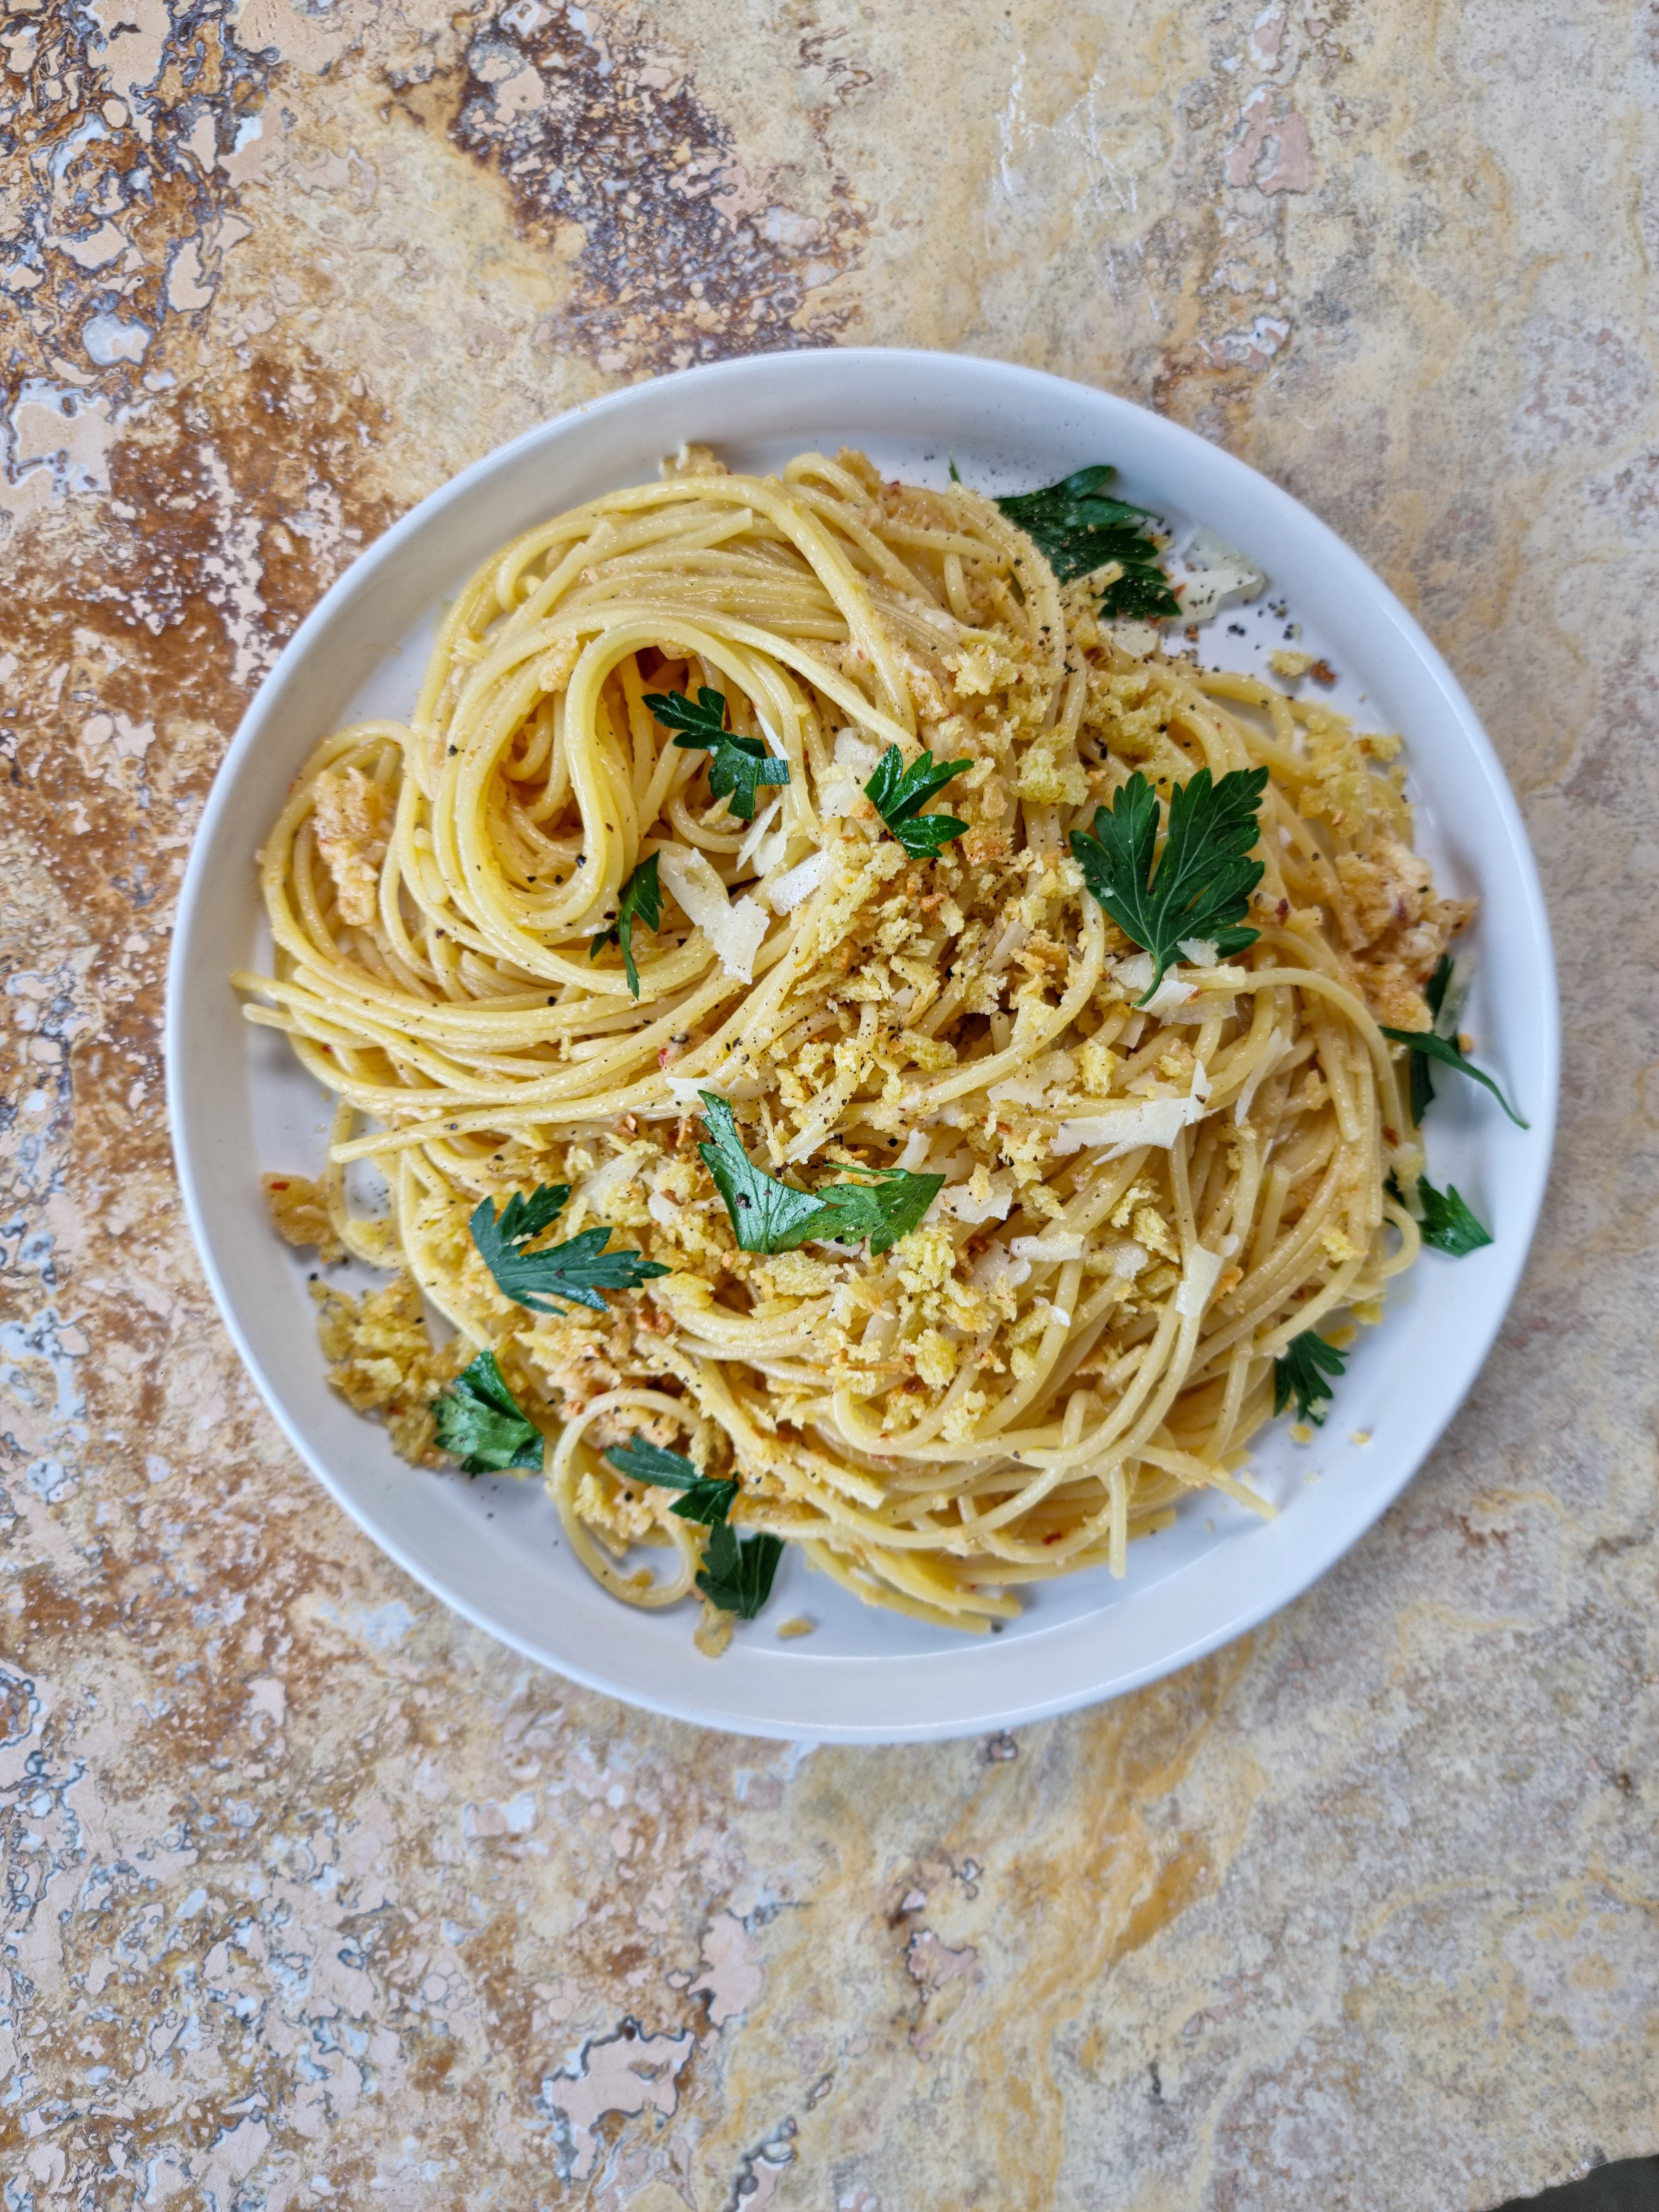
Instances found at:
x=1141 y=1208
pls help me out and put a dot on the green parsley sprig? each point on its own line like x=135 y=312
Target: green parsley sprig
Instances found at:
x=887 y=1206
x=1447 y=1224
x=767 y=1216
x=482 y=1423
x=579 y=1269
x=1203 y=882
x=899 y=794
x=641 y=900
x=1421 y=1067
x=770 y=1216
x=706 y=1498
x=1077 y=530
x=1429 y=1046
x=736 y=1571
x=1300 y=1372
x=1425 y=1045
x=737 y=766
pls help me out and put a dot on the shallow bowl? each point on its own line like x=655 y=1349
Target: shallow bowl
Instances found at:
x=492 y=1549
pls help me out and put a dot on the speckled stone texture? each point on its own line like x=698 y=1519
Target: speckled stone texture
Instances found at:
x=317 y=1897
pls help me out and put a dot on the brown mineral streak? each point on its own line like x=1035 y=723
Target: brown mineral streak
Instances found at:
x=309 y=1879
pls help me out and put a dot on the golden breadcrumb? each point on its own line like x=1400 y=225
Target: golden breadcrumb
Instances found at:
x=299 y=1207
x=381 y=1360
x=352 y=826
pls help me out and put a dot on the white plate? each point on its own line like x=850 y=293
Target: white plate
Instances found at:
x=492 y=1548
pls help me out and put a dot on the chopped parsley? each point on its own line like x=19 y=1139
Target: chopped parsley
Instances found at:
x=737 y=765
x=579 y=1269
x=1077 y=530
x=1448 y=1224
x=737 y=1572
x=479 y=1420
x=641 y=900
x=899 y=794
x=1204 y=876
x=1300 y=1372
x=706 y=1498
x=769 y=1216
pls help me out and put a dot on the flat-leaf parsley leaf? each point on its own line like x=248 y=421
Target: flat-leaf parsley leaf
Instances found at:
x=1299 y=1372
x=1076 y=530
x=579 y=1269
x=769 y=1216
x=1427 y=1045
x=705 y=1498
x=480 y=1421
x=1448 y=1224
x=736 y=1573
x=899 y=794
x=1434 y=997
x=737 y=765
x=641 y=899
x=884 y=1209
x=1204 y=876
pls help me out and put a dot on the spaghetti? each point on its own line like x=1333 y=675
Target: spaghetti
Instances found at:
x=1141 y=1207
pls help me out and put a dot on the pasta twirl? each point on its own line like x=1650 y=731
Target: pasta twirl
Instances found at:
x=1141 y=1207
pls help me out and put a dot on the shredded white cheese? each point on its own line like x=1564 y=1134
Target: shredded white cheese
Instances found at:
x=593 y=1190
x=1125 y=1127
x=1203 y=1273
x=853 y=761
x=965 y=1202
x=734 y=929
x=801 y=882
x=1174 y=991
x=1215 y=571
x=1202 y=1010
x=998 y=1269
x=1276 y=1045
x=856 y=753
x=1018 y=1091
x=1057 y=1244
x=757 y=829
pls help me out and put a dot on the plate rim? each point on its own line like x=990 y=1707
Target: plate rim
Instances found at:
x=1030 y=385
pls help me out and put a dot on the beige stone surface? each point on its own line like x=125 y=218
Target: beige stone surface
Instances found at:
x=317 y=1897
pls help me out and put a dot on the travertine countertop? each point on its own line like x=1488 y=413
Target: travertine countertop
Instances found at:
x=317 y=1897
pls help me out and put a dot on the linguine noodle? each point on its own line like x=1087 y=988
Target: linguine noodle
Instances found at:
x=1141 y=1207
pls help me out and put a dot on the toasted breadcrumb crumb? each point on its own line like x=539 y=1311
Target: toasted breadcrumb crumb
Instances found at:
x=713 y=1631
x=352 y=825
x=381 y=1359
x=299 y=1207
